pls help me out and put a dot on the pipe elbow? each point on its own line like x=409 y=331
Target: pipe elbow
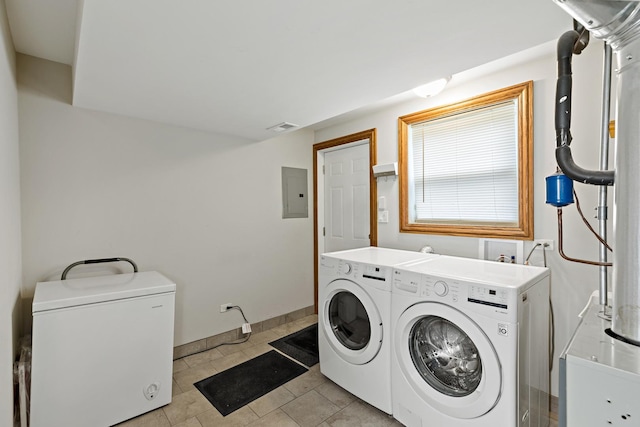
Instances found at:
x=566 y=42
x=568 y=166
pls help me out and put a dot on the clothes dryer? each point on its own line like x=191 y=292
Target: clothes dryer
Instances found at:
x=354 y=302
x=470 y=346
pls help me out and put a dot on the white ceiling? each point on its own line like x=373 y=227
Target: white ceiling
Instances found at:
x=240 y=67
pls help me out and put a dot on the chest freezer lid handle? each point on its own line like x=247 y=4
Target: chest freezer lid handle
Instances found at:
x=97 y=261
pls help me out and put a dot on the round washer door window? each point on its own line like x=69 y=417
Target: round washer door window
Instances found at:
x=448 y=360
x=351 y=322
x=445 y=356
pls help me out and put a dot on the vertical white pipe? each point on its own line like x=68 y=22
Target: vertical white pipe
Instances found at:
x=604 y=165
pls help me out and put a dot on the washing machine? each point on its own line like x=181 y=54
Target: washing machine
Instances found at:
x=354 y=302
x=470 y=344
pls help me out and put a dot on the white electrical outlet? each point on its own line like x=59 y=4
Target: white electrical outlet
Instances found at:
x=225 y=307
x=547 y=243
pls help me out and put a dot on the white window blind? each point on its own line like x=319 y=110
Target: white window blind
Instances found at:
x=464 y=168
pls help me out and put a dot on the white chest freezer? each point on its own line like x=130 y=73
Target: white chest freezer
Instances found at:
x=102 y=349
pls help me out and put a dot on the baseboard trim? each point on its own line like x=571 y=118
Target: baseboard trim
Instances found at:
x=234 y=334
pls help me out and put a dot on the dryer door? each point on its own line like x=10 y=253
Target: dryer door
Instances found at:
x=448 y=360
x=351 y=322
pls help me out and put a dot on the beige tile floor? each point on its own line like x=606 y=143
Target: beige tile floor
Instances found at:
x=308 y=400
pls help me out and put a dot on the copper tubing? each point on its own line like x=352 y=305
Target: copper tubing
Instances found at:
x=561 y=251
x=600 y=239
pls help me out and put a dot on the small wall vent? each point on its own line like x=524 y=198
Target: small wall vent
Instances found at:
x=281 y=127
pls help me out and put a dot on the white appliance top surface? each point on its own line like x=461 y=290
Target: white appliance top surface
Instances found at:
x=480 y=271
x=381 y=256
x=590 y=344
x=74 y=292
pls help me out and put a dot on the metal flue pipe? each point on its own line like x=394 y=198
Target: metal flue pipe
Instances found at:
x=618 y=24
x=626 y=205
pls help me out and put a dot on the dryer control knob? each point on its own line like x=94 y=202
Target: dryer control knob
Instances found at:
x=346 y=268
x=440 y=288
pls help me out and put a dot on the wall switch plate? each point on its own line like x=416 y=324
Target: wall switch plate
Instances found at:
x=382 y=203
x=383 y=217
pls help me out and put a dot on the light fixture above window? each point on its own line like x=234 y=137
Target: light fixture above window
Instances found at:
x=432 y=88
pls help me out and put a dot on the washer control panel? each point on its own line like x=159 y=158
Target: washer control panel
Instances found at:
x=345 y=268
x=480 y=297
x=429 y=287
x=367 y=271
x=406 y=281
x=366 y=274
x=439 y=288
x=486 y=295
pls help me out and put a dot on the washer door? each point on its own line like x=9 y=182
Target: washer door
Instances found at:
x=351 y=322
x=448 y=360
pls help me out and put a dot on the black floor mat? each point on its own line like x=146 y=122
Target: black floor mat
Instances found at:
x=301 y=345
x=231 y=389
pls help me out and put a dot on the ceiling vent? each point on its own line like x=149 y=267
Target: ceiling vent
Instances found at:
x=281 y=127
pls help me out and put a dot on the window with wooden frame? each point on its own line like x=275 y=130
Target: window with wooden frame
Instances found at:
x=466 y=169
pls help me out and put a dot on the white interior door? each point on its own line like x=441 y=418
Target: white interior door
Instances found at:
x=346 y=198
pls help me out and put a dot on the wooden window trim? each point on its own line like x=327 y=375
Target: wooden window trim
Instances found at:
x=523 y=94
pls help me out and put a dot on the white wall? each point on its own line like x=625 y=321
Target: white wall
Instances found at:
x=10 y=258
x=203 y=209
x=571 y=283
